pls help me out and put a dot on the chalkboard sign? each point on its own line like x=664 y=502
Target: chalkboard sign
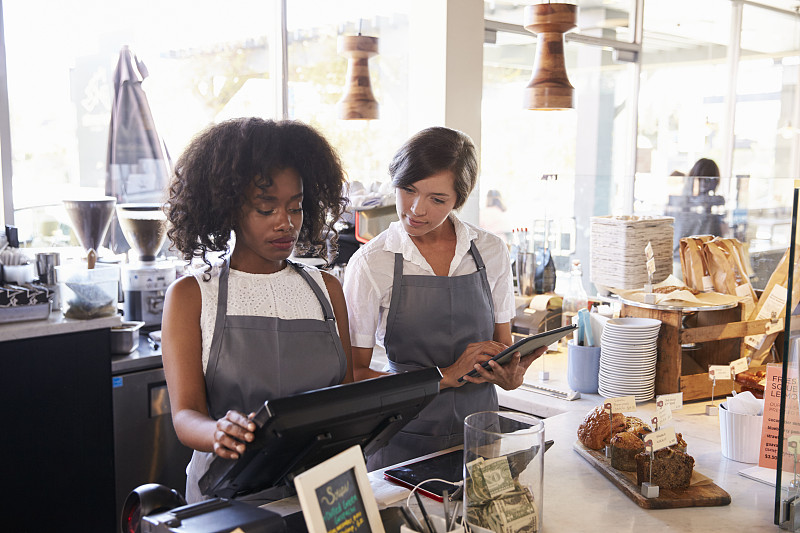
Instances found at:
x=336 y=496
x=342 y=505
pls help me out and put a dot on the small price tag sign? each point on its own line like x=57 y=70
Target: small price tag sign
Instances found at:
x=739 y=366
x=774 y=327
x=719 y=372
x=621 y=404
x=661 y=439
x=663 y=414
x=675 y=400
x=651 y=260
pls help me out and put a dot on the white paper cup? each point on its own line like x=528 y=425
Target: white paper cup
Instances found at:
x=740 y=435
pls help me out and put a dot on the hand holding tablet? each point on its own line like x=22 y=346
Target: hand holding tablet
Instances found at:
x=526 y=346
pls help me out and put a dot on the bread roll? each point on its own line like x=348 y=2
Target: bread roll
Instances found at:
x=596 y=431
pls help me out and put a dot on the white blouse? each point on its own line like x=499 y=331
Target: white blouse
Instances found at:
x=370 y=273
x=283 y=294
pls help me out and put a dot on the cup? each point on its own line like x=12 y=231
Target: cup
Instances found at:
x=739 y=435
x=503 y=471
x=46 y=264
x=583 y=367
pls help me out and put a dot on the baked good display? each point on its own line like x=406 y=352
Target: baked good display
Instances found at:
x=672 y=469
x=624 y=447
x=753 y=381
x=636 y=425
x=672 y=288
x=596 y=431
x=680 y=445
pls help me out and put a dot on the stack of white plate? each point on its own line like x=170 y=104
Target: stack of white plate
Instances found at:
x=628 y=351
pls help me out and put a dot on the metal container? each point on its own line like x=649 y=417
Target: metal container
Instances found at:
x=125 y=337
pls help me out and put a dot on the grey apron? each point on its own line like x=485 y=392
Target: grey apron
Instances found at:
x=431 y=321
x=257 y=358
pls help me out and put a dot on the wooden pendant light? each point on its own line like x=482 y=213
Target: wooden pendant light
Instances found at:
x=549 y=87
x=358 y=101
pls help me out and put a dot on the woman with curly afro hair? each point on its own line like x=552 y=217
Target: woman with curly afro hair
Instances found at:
x=253 y=326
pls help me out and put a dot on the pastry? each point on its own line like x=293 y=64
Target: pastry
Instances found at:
x=624 y=447
x=672 y=469
x=680 y=445
x=672 y=288
x=595 y=431
x=636 y=425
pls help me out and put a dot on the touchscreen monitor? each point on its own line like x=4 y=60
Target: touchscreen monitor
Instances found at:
x=298 y=432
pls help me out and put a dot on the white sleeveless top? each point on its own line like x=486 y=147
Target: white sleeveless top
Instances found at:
x=284 y=294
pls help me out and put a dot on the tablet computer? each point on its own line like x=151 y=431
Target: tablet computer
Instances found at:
x=525 y=347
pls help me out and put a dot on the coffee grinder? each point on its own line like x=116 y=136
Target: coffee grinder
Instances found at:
x=146 y=278
x=90 y=220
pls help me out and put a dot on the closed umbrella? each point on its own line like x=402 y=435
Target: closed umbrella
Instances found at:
x=138 y=164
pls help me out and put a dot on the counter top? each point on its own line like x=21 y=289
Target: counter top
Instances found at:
x=54 y=325
x=144 y=357
x=578 y=498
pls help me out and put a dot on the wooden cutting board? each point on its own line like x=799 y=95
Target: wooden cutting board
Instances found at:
x=703 y=495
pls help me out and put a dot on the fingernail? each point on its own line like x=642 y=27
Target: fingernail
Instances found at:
x=234 y=455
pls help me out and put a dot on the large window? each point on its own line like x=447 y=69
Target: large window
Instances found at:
x=205 y=64
x=317 y=79
x=586 y=148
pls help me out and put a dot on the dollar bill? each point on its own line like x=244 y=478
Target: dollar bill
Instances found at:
x=477 y=490
x=497 y=476
x=498 y=501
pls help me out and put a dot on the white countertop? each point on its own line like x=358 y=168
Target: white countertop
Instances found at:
x=578 y=498
x=54 y=325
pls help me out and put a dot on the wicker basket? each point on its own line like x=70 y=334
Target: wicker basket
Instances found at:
x=617 y=256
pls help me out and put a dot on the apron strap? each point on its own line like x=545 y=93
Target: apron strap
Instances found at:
x=395 y=301
x=327 y=310
x=482 y=271
x=219 y=325
x=330 y=317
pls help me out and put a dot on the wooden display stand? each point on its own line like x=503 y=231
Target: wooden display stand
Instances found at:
x=717 y=339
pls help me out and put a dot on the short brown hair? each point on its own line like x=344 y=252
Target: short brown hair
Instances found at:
x=435 y=150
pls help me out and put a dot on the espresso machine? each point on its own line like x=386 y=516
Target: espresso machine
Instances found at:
x=145 y=278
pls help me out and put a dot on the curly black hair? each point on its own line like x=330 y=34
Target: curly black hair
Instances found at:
x=213 y=174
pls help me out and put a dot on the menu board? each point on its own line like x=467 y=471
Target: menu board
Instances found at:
x=768 y=456
x=336 y=496
x=342 y=505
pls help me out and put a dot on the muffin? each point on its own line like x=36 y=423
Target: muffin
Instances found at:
x=624 y=447
x=596 y=431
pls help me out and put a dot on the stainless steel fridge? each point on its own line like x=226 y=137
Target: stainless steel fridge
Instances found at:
x=146 y=448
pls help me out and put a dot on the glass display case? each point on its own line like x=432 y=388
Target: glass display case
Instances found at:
x=787 y=482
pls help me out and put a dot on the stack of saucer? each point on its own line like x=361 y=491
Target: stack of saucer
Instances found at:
x=628 y=358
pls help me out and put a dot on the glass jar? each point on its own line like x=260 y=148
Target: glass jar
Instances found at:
x=503 y=472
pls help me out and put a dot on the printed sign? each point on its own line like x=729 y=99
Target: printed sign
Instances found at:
x=774 y=305
x=768 y=457
x=719 y=372
x=674 y=400
x=336 y=496
x=661 y=438
x=651 y=261
x=663 y=415
x=342 y=506
x=621 y=404
x=739 y=366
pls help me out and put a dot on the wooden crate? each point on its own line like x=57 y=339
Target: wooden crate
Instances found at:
x=717 y=336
